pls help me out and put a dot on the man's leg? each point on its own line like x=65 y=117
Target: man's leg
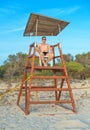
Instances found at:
x=42 y=59
x=50 y=57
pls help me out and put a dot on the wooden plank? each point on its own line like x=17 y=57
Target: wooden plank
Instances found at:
x=48 y=89
x=47 y=68
x=50 y=102
x=48 y=77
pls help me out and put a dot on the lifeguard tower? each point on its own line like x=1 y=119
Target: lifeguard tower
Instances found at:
x=39 y=25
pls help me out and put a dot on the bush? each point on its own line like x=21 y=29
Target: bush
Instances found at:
x=2 y=72
x=74 y=69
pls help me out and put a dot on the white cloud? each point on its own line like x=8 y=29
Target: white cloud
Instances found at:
x=6 y=11
x=17 y=29
x=9 y=9
x=12 y=30
x=59 y=11
x=72 y=10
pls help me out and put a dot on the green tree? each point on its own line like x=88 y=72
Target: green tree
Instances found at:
x=68 y=57
x=15 y=65
x=2 y=71
x=83 y=59
x=74 y=69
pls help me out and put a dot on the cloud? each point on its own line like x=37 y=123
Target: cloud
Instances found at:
x=72 y=10
x=9 y=9
x=17 y=29
x=59 y=11
x=6 y=11
x=12 y=30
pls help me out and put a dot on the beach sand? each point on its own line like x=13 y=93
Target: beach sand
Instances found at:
x=48 y=116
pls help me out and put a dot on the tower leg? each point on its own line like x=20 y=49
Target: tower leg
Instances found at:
x=19 y=95
x=21 y=87
x=55 y=85
x=56 y=92
x=28 y=97
x=71 y=95
x=59 y=95
x=27 y=102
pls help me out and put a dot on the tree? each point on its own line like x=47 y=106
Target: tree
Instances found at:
x=83 y=59
x=14 y=65
x=2 y=72
x=74 y=69
x=68 y=57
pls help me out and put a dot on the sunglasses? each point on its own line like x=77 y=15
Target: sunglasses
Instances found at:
x=43 y=39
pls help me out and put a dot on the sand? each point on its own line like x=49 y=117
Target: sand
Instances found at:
x=49 y=116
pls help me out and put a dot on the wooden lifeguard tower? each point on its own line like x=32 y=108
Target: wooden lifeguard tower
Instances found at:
x=39 y=25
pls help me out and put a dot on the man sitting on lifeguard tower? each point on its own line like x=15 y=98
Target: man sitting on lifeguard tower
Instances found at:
x=45 y=50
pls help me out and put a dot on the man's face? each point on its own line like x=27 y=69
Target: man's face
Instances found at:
x=44 y=40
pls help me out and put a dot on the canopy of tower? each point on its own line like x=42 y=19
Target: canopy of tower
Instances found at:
x=39 y=25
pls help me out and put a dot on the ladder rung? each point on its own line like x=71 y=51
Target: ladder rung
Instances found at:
x=47 y=68
x=48 y=77
x=48 y=89
x=50 y=102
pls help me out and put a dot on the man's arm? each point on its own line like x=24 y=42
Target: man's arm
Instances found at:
x=50 y=49
x=38 y=48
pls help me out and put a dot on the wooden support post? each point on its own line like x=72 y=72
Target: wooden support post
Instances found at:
x=59 y=95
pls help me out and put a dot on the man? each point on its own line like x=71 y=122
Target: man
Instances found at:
x=44 y=49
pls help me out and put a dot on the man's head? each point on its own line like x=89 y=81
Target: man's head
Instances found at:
x=43 y=39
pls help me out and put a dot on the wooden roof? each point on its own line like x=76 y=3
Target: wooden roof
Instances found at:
x=46 y=26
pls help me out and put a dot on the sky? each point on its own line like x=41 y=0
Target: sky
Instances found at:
x=14 y=14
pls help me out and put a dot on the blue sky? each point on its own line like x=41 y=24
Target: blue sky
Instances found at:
x=14 y=14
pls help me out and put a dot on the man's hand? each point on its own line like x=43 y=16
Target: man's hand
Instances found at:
x=37 y=49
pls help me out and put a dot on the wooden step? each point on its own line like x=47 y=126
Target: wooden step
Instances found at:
x=47 y=68
x=50 y=102
x=45 y=88
x=48 y=77
x=48 y=89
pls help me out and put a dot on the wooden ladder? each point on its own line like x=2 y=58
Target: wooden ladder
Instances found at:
x=30 y=68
